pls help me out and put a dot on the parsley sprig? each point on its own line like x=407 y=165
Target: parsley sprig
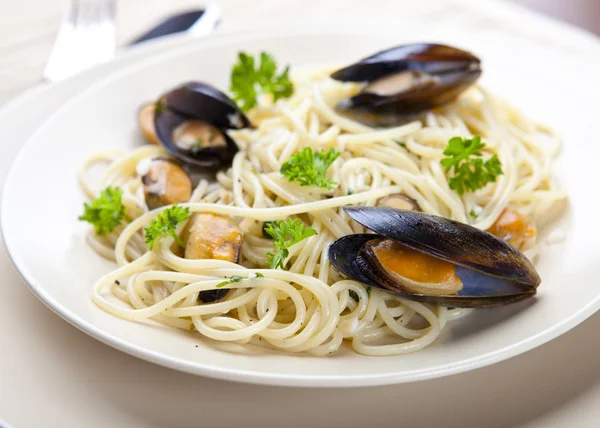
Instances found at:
x=464 y=162
x=309 y=168
x=105 y=212
x=247 y=82
x=165 y=224
x=285 y=234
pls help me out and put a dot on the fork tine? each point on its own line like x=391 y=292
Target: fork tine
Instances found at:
x=111 y=10
x=73 y=12
x=86 y=36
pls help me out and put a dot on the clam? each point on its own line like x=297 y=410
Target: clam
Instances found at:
x=408 y=79
x=213 y=236
x=191 y=122
x=432 y=259
x=165 y=183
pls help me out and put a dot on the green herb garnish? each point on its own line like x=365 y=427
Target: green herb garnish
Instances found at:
x=105 y=212
x=469 y=171
x=472 y=213
x=236 y=278
x=353 y=295
x=165 y=224
x=308 y=168
x=198 y=145
x=285 y=234
x=248 y=82
x=233 y=279
x=264 y=229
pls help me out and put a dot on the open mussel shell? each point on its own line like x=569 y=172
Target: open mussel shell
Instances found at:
x=492 y=272
x=167 y=122
x=422 y=57
x=197 y=100
x=206 y=109
x=408 y=80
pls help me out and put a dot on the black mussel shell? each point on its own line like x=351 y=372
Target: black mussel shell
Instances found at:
x=209 y=296
x=444 y=89
x=343 y=253
x=166 y=122
x=458 y=243
x=423 y=57
x=202 y=102
x=479 y=290
x=492 y=272
x=433 y=74
x=197 y=100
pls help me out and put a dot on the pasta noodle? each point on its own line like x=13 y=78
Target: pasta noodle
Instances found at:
x=310 y=307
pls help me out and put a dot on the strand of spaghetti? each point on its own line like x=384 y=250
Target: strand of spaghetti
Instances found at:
x=254 y=213
x=361 y=346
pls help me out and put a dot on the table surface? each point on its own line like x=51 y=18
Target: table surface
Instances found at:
x=53 y=375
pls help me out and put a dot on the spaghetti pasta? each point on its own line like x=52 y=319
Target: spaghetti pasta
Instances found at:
x=310 y=308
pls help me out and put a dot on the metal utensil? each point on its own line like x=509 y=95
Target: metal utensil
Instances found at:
x=86 y=37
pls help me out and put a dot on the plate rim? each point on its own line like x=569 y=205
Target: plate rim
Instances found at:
x=178 y=45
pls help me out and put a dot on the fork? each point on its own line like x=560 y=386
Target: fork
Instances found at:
x=87 y=36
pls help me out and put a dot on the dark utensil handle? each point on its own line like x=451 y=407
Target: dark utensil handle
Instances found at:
x=174 y=24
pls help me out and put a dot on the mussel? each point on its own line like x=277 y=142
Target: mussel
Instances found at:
x=409 y=79
x=212 y=236
x=146 y=122
x=433 y=259
x=165 y=182
x=514 y=228
x=399 y=201
x=191 y=123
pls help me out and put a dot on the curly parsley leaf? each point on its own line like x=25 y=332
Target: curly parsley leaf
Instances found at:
x=105 y=212
x=309 y=168
x=285 y=234
x=264 y=230
x=468 y=170
x=166 y=224
x=248 y=82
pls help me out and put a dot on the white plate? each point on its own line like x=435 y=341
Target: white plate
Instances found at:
x=41 y=201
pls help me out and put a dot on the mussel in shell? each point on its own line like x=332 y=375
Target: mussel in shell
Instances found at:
x=409 y=79
x=432 y=259
x=191 y=122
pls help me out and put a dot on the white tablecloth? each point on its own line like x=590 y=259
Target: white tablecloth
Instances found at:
x=52 y=375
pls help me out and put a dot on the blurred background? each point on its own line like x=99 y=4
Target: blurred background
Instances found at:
x=583 y=13
x=28 y=28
